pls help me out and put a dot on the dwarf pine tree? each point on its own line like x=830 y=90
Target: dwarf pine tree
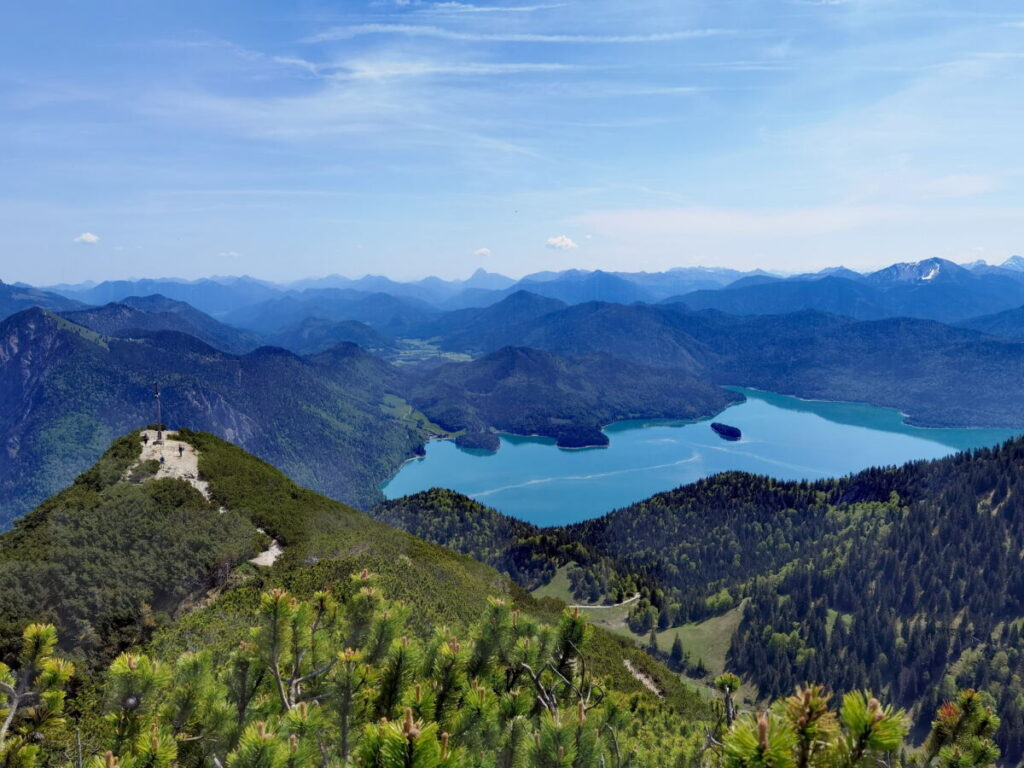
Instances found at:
x=31 y=696
x=963 y=733
x=803 y=732
x=320 y=684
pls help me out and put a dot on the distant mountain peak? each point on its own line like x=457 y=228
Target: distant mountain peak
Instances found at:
x=923 y=271
x=1016 y=263
x=493 y=281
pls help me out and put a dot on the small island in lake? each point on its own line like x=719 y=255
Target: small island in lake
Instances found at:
x=726 y=432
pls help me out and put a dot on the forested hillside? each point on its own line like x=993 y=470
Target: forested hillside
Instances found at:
x=905 y=580
x=158 y=313
x=361 y=646
x=15 y=298
x=532 y=392
x=937 y=374
x=212 y=656
x=70 y=391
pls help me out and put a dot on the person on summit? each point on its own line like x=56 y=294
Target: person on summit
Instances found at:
x=181 y=450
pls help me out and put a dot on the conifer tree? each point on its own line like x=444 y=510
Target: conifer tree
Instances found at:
x=677 y=656
x=963 y=733
x=801 y=732
x=32 y=696
x=296 y=695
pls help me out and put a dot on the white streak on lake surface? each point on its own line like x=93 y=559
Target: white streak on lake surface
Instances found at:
x=571 y=478
x=530 y=478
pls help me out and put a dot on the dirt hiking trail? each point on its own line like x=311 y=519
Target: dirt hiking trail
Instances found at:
x=181 y=461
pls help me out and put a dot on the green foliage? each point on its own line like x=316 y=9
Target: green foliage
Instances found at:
x=144 y=470
x=320 y=681
x=963 y=732
x=458 y=522
x=107 y=561
x=801 y=732
x=32 y=696
x=111 y=465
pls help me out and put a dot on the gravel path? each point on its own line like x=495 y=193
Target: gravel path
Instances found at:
x=181 y=461
x=617 y=605
x=643 y=679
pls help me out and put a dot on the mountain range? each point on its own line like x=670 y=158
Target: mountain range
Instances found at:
x=543 y=366
x=933 y=289
x=937 y=374
x=918 y=289
x=69 y=391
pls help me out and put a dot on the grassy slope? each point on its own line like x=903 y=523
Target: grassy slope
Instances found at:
x=558 y=588
x=707 y=640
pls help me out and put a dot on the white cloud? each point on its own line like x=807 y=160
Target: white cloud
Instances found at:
x=229 y=254
x=291 y=61
x=370 y=70
x=561 y=243
x=415 y=30
x=87 y=238
x=482 y=252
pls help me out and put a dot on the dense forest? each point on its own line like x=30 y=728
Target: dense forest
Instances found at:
x=530 y=391
x=905 y=580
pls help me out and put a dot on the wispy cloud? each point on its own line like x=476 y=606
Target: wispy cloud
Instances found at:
x=382 y=69
x=455 y=7
x=86 y=238
x=415 y=30
x=482 y=252
x=292 y=61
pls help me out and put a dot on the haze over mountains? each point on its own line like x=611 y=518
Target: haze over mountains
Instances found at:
x=919 y=289
x=337 y=367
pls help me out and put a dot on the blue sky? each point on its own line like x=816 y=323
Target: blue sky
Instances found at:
x=408 y=137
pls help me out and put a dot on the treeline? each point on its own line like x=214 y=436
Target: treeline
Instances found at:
x=928 y=597
x=893 y=578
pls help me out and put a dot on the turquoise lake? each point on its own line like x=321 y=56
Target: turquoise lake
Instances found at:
x=785 y=437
